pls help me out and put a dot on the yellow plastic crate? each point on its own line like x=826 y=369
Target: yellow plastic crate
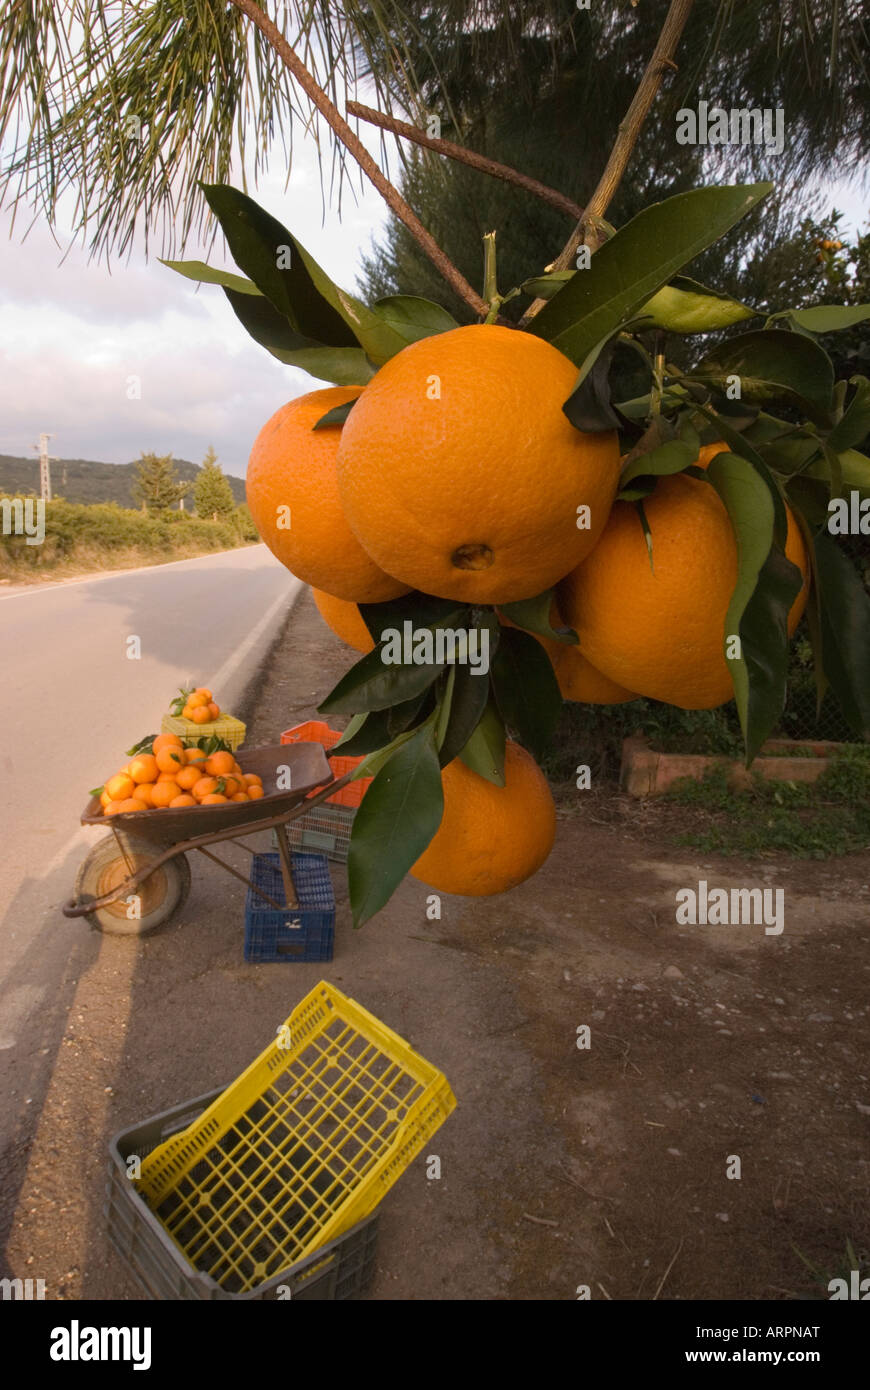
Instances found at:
x=226 y=727
x=300 y=1148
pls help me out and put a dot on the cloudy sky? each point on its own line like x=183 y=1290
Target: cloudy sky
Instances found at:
x=72 y=334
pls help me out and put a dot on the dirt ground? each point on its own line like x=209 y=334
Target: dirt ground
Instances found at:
x=562 y=1166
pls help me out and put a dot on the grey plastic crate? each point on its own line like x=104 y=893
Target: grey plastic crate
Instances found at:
x=343 y=1269
x=324 y=830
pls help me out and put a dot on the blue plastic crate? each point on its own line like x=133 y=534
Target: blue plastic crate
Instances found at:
x=303 y=933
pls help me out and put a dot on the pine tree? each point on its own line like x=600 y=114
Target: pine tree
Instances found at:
x=156 y=486
x=212 y=494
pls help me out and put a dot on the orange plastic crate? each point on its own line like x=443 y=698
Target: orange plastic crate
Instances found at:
x=318 y=731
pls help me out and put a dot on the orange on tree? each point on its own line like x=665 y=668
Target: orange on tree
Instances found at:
x=661 y=631
x=345 y=620
x=490 y=838
x=292 y=491
x=577 y=678
x=461 y=474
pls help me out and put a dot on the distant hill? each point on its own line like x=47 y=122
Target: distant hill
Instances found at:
x=83 y=480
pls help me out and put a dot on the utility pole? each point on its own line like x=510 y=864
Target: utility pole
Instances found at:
x=44 y=466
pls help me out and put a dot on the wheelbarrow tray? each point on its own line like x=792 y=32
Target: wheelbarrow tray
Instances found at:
x=309 y=769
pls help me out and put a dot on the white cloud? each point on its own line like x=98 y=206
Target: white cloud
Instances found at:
x=71 y=333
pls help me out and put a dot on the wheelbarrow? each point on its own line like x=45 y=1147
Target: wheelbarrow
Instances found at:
x=137 y=877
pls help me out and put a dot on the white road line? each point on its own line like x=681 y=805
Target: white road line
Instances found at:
x=221 y=679
x=52 y=588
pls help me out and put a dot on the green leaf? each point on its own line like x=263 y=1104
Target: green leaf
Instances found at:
x=373 y=684
x=470 y=695
x=96 y=791
x=526 y=689
x=211 y=275
x=854 y=424
x=670 y=457
x=533 y=615
x=144 y=745
x=826 y=318
x=300 y=291
x=345 y=366
x=855 y=469
x=642 y=257
x=589 y=405
x=398 y=817
x=412 y=318
x=684 y=306
x=773 y=364
x=742 y=448
x=484 y=751
x=546 y=286
x=844 y=618
x=422 y=610
x=767 y=584
x=336 y=416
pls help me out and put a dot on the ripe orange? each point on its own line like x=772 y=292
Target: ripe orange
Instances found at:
x=231 y=785
x=214 y=710
x=165 y=792
x=183 y=800
x=123 y=806
x=194 y=701
x=143 y=768
x=112 y=808
x=490 y=838
x=204 y=787
x=292 y=491
x=252 y=779
x=255 y=791
x=200 y=715
x=187 y=777
x=577 y=678
x=195 y=755
x=170 y=758
x=203 y=690
x=345 y=620
x=104 y=799
x=662 y=633
x=460 y=473
x=120 y=787
x=165 y=741
x=213 y=799
x=220 y=763
x=240 y=796
x=145 y=793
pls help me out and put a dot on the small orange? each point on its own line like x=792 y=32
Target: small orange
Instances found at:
x=203 y=690
x=129 y=803
x=254 y=792
x=183 y=800
x=145 y=793
x=232 y=785
x=187 y=712
x=187 y=777
x=200 y=715
x=220 y=763
x=213 y=709
x=112 y=808
x=194 y=701
x=240 y=796
x=204 y=787
x=253 y=779
x=144 y=768
x=104 y=799
x=170 y=759
x=237 y=769
x=165 y=792
x=165 y=741
x=194 y=755
x=213 y=799
x=120 y=787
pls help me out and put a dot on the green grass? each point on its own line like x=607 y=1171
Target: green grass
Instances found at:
x=808 y=820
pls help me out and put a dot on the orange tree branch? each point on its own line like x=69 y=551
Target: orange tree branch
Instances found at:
x=354 y=145
x=626 y=139
x=464 y=156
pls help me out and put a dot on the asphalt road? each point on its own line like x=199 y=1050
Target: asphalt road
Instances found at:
x=72 y=700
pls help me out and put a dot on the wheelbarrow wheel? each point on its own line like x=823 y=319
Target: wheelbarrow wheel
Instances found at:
x=150 y=905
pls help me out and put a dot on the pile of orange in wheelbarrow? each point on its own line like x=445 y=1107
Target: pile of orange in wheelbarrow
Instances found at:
x=163 y=772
